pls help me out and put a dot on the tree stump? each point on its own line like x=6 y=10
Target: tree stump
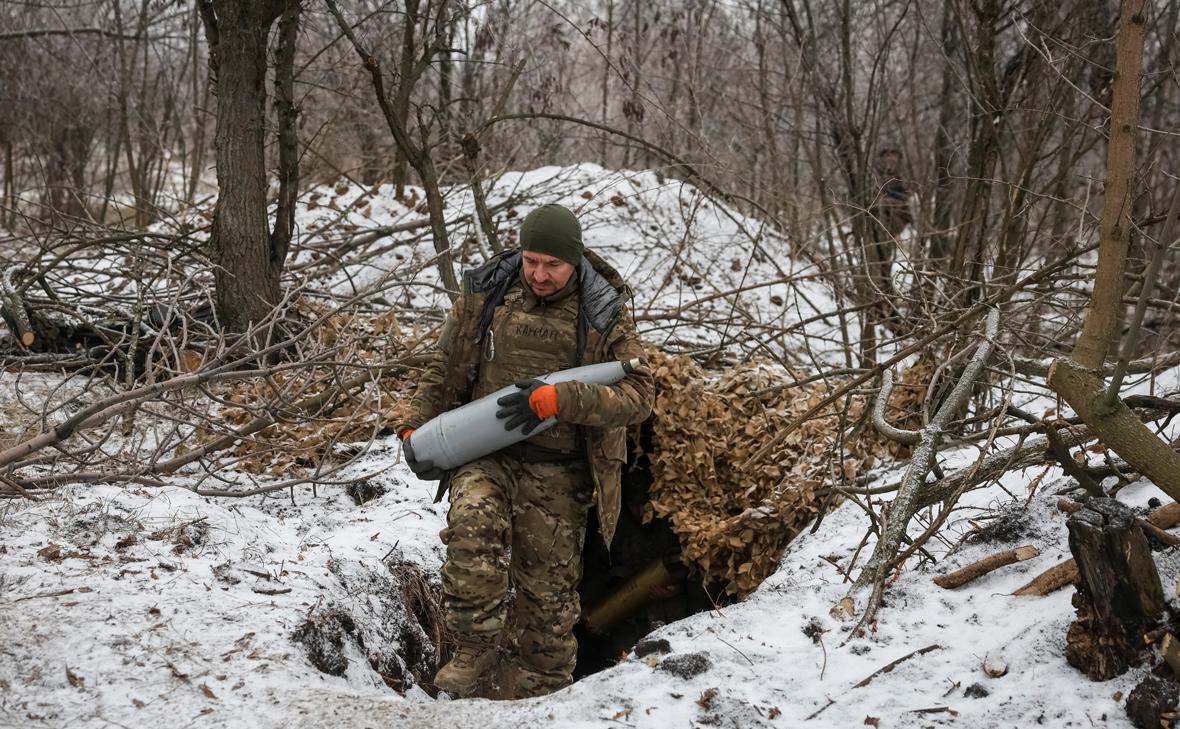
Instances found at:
x=1119 y=596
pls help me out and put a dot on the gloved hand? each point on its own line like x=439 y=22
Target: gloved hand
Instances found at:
x=535 y=402
x=424 y=470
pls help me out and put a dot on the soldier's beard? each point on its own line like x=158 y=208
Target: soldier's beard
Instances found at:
x=548 y=288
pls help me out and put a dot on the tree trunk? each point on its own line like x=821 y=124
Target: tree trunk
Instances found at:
x=247 y=274
x=1076 y=380
x=8 y=219
x=1117 y=425
x=1119 y=595
x=606 y=72
x=200 y=102
x=1115 y=228
x=288 y=117
x=401 y=170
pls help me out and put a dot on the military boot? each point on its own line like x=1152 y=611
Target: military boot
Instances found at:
x=466 y=669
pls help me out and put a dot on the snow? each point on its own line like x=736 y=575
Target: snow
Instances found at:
x=679 y=250
x=198 y=626
x=156 y=631
x=146 y=629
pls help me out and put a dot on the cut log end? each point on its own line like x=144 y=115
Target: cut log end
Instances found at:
x=1051 y=580
x=27 y=339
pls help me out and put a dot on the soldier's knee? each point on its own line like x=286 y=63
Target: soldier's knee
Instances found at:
x=475 y=526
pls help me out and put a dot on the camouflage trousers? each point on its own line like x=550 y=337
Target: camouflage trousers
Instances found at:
x=520 y=525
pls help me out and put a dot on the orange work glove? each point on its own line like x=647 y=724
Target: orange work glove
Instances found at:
x=527 y=408
x=543 y=401
x=405 y=434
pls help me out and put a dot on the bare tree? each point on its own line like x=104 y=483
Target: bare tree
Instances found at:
x=248 y=250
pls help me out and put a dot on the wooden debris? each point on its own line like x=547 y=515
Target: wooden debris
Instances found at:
x=1119 y=595
x=894 y=664
x=55 y=593
x=12 y=306
x=1170 y=650
x=987 y=564
x=1051 y=580
x=934 y=710
x=1166 y=516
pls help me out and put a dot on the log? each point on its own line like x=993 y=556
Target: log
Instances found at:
x=1170 y=650
x=13 y=306
x=1051 y=580
x=987 y=564
x=1165 y=517
x=1119 y=595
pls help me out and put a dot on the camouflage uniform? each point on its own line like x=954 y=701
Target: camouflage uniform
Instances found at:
x=518 y=517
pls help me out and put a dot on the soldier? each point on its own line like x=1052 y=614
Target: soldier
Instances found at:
x=891 y=214
x=518 y=517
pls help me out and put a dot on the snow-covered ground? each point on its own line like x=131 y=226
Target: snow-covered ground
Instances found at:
x=200 y=619
x=196 y=627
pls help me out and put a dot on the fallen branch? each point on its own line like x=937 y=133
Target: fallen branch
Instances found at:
x=900 y=511
x=1032 y=452
x=1051 y=580
x=55 y=593
x=894 y=664
x=13 y=304
x=1165 y=517
x=988 y=564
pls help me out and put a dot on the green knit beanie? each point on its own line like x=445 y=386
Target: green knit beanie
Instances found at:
x=554 y=231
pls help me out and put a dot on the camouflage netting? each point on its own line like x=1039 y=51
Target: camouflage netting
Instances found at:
x=734 y=520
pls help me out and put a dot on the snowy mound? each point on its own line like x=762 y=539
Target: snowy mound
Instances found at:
x=202 y=620
x=703 y=275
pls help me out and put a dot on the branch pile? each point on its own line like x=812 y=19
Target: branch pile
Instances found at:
x=319 y=407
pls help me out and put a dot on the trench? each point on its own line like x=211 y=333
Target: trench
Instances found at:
x=627 y=592
x=639 y=584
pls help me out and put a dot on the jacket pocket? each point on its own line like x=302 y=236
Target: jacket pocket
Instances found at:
x=612 y=446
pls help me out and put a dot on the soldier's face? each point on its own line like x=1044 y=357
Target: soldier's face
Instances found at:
x=546 y=275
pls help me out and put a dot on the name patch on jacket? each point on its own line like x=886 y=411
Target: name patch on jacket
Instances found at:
x=538 y=332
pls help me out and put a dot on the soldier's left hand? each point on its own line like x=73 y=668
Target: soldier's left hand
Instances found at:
x=424 y=469
x=536 y=402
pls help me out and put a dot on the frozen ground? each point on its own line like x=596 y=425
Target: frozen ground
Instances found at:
x=196 y=627
x=197 y=620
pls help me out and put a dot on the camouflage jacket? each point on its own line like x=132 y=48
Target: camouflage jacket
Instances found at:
x=604 y=332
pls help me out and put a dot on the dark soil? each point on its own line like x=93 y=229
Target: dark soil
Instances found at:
x=686 y=665
x=1151 y=700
